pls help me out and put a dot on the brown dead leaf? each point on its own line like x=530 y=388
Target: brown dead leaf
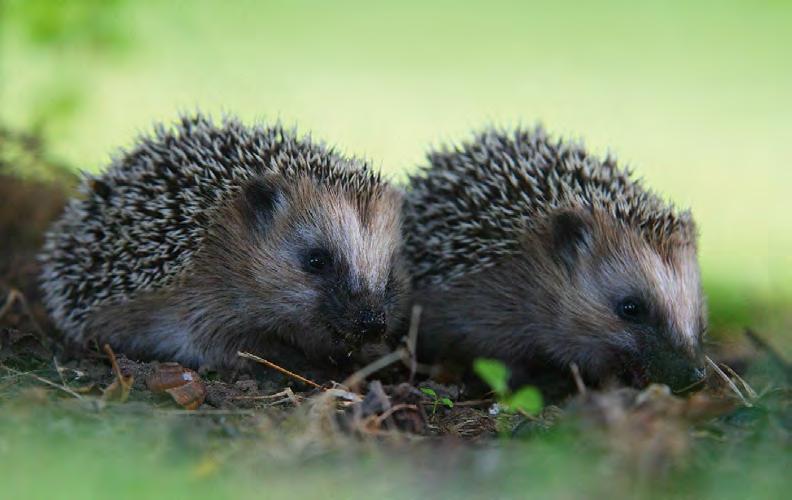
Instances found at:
x=190 y=395
x=183 y=385
x=118 y=390
x=169 y=375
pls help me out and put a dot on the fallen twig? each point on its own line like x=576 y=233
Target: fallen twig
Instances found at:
x=374 y=367
x=412 y=340
x=44 y=381
x=581 y=387
x=691 y=386
x=59 y=370
x=113 y=361
x=286 y=395
x=393 y=409
x=339 y=391
x=728 y=381
x=751 y=393
x=122 y=385
x=284 y=371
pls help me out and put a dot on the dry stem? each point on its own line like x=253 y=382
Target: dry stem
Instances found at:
x=581 y=387
x=44 y=381
x=412 y=339
x=393 y=409
x=728 y=381
x=751 y=393
x=374 y=367
x=114 y=362
x=284 y=371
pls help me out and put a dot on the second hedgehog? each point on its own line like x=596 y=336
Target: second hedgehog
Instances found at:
x=205 y=240
x=537 y=253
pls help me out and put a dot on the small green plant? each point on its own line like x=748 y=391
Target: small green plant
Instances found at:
x=436 y=400
x=527 y=400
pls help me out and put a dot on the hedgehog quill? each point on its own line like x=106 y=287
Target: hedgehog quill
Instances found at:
x=534 y=252
x=204 y=240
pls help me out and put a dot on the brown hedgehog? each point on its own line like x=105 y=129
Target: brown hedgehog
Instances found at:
x=204 y=240
x=534 y=252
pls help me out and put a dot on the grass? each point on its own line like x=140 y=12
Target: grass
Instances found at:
x=126 y=452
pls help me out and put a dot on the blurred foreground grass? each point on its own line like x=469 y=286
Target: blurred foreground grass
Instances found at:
x=51 y=449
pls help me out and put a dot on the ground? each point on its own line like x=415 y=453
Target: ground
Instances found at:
x=93 y=423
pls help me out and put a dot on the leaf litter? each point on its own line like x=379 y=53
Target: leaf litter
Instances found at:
x=651 y=432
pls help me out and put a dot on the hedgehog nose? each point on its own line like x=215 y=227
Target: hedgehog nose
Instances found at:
x=689 y=379
x=371 y=323
x=697 y=373
x=686 y=378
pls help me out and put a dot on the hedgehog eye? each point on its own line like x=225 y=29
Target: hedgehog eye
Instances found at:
x=631 y=309
x=317 y=260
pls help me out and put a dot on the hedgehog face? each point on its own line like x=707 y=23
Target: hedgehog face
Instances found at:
x=326 y=264
x=626 y=308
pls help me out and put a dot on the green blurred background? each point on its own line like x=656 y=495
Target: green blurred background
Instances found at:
x=694 y=95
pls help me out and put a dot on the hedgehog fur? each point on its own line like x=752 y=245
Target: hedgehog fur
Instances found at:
x=505 y=231
x=137 y=228
x=473 y=203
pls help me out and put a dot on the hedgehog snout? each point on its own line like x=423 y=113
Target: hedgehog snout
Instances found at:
x=370 y=322
x=364 y=324
x=678 y=370
x=357 y=319
x=686 y=378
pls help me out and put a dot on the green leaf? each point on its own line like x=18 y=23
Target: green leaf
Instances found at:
x=527 y=399
x=447 y=402
x=429 y=392
x=494 y=373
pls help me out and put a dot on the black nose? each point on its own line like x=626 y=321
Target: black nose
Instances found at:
x=697 y=373
x=680 y=370
x=371 y=323
x=685 y=377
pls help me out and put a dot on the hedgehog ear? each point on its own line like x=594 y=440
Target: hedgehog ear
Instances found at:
x=571 y=236
x=260 y=199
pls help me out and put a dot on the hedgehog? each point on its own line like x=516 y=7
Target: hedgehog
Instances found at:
x=537 y=253
x=207 y=239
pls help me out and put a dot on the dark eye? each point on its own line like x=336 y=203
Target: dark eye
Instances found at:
x=317 y=260
x=631 y=309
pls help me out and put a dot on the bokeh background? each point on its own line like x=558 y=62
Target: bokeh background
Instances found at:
x=695 y=96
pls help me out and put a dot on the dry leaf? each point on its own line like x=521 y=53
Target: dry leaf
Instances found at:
x=190 y=395
x=119 y=390
x=183 y=385
x=169 y=375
